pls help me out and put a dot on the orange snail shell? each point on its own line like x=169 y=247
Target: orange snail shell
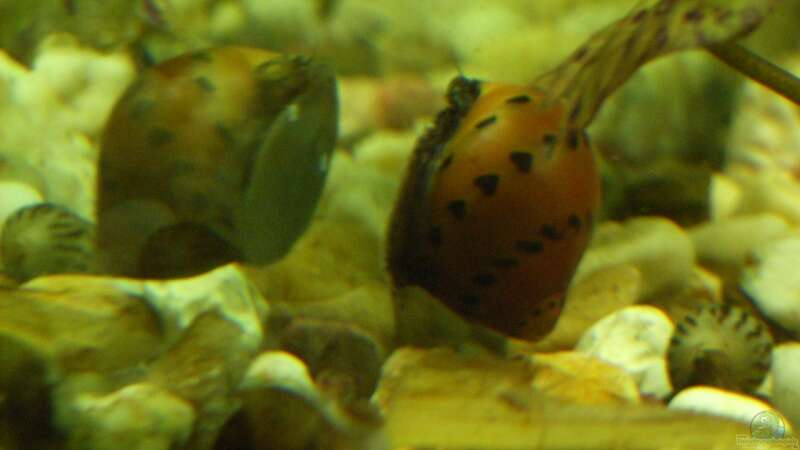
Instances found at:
x=496 y=208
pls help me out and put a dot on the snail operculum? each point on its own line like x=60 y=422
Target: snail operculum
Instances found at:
x=290 y=164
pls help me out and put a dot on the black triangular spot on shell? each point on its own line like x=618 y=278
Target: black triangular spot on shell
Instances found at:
x=550 y=139
x=528 y=246
x=486 y=122
x=487 y=183
x=519 y=99
x=574 y=221
x=522 y=160
x=691 y=321
x=458 y=209
x=159 y=136
x=550 y=231
x=572 y=139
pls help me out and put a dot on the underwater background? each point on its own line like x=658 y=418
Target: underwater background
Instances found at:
x=399 y=224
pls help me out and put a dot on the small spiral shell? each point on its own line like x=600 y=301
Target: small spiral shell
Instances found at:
x=44 y=239
x=720 y=345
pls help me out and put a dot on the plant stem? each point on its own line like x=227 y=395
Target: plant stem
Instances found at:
x=758 y=69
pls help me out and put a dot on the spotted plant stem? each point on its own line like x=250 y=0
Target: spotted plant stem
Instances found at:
x=602 y=64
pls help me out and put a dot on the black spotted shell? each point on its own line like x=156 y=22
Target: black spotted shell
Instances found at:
x=44 y=239
x=722 y=346
x=231 y=143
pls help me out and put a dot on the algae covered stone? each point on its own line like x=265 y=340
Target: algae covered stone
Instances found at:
x=136 y=417
x=284 y=409
x=116 y=353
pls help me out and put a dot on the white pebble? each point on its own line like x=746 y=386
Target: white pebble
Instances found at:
x=726 y=195
x=660 y=249
x=281 y=370
x=15 y=196
x=634 y=338
x=786 y=379
x=471 y=28
x=722 y=403
x=731 y=241
x=774 y=282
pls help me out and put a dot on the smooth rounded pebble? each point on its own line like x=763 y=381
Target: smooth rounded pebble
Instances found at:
x=660 y=249
x=16 y=195
x=786 y=379
x=768 y=190
x=588 y=301
x=729 y=242
x=718 y=402
x=635 y=338
x=282 y=370
x=726 y=196
x=773 y=282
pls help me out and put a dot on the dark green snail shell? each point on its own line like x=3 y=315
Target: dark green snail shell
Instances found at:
x=215 y=156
